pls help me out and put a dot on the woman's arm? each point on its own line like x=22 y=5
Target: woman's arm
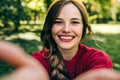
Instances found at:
x=27 y=68
x=99 y=74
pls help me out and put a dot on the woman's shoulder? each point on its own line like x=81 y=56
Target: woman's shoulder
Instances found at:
x=96 y=58
x=86 y=51
x=39 y=55
x=90 y=50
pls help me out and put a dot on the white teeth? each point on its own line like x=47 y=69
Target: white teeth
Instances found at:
x=66 y=37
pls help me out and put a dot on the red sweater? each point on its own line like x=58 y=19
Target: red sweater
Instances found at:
x=86 y=59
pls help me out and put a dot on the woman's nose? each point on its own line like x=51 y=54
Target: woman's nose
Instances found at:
x=66 y=28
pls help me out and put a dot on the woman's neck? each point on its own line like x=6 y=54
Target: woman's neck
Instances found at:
x=68 y=54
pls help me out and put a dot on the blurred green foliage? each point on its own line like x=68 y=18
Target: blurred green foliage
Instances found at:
x=13 y=13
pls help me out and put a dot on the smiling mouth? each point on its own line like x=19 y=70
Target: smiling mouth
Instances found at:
x=66 y=38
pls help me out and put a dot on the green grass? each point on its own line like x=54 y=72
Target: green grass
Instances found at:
x=109 y=43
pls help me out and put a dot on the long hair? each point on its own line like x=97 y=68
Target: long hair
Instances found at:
x=57 y=66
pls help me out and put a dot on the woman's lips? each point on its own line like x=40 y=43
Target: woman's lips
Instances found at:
x=66 y=38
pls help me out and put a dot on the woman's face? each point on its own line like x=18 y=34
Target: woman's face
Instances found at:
x=68 y=28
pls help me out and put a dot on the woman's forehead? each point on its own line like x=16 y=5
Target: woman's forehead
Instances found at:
x=69 y=10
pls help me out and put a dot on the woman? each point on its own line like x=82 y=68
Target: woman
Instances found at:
x=63 y=56
x=26 y=68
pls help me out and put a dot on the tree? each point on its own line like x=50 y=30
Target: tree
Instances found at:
x=99 y=10
x=11 y=12
x=48 y=2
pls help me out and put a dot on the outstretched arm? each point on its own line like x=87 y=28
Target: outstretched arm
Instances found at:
x=27 y=68
x=99 y=74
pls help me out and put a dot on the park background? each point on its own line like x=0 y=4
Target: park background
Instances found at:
x=21 y=22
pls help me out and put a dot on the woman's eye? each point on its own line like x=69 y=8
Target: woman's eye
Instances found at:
x=75 y=22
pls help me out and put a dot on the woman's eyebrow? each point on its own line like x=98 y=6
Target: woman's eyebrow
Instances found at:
x=58 y=19
x=76 y=19
x=71 y=19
